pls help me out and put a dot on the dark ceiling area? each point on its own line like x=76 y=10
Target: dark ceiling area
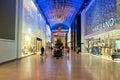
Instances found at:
x=84 y=5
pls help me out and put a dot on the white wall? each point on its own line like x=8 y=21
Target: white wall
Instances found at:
x=7 y=50
x=82 y=30
x=69 y=35
x=8 y=41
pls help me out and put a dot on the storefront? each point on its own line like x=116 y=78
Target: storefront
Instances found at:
x=39 y=44
x=33 y=29
x=104 y=44
x=102 y=36
x=60 y=35
x=28 y=44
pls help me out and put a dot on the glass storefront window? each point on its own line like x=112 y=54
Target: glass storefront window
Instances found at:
x=28 y=44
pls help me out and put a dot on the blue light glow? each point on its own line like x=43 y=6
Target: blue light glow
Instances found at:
x=64 y=26
x=59 y=11
x=99 y=14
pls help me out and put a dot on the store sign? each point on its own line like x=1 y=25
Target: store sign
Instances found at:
x=104 y=25
x=38 y=32
x=59 y=29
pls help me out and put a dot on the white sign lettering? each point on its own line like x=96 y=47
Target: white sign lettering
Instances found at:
x=104 y=25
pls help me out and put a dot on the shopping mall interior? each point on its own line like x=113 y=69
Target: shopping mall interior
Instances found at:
x=59 y=39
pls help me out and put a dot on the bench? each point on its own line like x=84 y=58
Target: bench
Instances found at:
x=115 y=56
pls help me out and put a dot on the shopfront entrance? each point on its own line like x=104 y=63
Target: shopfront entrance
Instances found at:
x=39 y=44
x=104 y=44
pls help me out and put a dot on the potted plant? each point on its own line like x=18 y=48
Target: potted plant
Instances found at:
x=58 y=45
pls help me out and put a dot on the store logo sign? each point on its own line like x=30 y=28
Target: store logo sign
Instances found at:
x=104 y=25
x=38 y=32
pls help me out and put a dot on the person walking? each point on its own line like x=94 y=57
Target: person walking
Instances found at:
x=51 y=49
x=68 y=50
x=42 y=50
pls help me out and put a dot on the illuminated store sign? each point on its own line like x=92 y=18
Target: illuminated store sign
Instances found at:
x=104 y=25
x=100 y=15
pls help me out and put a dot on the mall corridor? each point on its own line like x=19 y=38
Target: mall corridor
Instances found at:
x=28 y=28
x=75 y=67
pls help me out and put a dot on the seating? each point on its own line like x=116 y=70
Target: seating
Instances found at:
x=58 y=53
x=115 y=56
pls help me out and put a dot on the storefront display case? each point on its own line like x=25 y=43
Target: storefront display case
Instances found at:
x=103 y=44
x=28 y=44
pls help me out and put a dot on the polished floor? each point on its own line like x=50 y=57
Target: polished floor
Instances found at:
x=74 y=67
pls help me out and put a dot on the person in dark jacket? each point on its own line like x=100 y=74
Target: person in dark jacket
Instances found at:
x=42 y=50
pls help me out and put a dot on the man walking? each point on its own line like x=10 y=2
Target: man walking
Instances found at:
x=42 y=50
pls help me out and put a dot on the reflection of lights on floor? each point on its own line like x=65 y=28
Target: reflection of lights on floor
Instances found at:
x=103 y=57
x=69 y=62
x=107 y=58
x=116 y=60
x=69 y=66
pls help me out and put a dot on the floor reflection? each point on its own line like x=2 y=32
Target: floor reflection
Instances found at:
x=73 y=67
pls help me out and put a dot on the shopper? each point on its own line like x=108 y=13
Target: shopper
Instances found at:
x=51 y=49
x=68 y=50
x=42 y=50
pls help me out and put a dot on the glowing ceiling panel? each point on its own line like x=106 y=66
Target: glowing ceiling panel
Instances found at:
x=59 y=11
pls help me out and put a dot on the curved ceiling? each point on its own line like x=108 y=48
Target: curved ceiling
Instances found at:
x=59 y=11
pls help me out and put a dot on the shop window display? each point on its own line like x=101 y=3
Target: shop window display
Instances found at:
x=99 y=23
x=28 y=44
x=97 y=46
x=118 y=45
x=116 y=53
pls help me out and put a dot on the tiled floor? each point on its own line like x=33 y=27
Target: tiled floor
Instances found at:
x=75 y=67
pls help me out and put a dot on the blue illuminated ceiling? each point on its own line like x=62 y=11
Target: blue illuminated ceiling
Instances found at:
x=59 y=11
